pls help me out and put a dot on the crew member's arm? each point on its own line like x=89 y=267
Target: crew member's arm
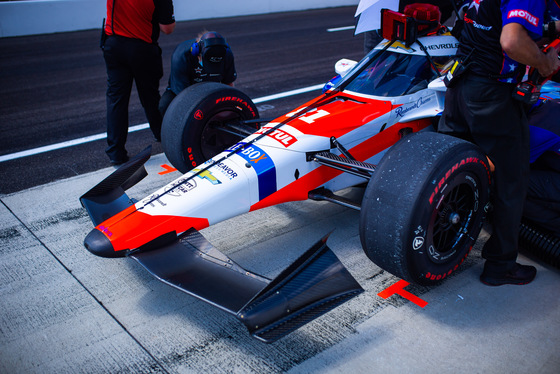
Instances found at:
x=166 y=19
x=167 y=29
x=518 y=45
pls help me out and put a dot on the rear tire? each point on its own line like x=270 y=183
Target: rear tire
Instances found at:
x=424 y=206
x=192 y=129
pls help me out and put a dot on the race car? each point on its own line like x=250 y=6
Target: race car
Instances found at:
x=422 y=209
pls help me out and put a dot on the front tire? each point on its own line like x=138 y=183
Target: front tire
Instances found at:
x=196 y=126
x=424 y=206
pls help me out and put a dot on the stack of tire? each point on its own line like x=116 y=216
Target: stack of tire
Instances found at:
x=540 y=243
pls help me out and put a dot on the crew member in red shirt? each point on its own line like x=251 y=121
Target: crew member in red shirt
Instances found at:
x=131 y=53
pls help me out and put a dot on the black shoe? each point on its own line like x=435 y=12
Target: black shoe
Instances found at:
x=119 y=161
x=520 y=274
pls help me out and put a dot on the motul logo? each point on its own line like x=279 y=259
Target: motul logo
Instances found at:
x=525 y=15
x=281 y=136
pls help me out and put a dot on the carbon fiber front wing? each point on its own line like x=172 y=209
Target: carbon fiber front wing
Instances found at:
x=311 y=286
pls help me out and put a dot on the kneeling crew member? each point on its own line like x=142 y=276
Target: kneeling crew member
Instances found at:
x=207 y=59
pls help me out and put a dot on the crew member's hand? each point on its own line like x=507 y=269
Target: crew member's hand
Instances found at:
x=552 y=63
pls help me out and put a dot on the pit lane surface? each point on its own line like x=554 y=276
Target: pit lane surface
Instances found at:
x=63 y=310
x=53 y=86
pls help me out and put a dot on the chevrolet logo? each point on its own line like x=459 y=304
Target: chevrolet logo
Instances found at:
x=206 y=174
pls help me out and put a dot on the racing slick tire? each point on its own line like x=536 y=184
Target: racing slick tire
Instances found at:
x=424 y=207
x=193 y=126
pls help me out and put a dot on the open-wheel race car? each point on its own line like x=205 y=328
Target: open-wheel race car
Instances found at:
x=422 y=209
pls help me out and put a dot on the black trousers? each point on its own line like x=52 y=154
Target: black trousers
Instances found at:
x=127 y=61
x=484 y=112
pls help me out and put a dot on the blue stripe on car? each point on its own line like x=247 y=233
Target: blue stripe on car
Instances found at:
x=263 y=165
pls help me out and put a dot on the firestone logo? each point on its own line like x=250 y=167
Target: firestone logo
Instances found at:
x=519 y=13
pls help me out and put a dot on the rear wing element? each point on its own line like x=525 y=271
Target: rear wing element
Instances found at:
x=270 y=309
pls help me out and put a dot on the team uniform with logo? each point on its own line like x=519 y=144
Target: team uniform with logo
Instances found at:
x=552 y=10
x=480 y=108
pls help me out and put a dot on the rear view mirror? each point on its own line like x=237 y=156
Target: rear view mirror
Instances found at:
x=343 y=66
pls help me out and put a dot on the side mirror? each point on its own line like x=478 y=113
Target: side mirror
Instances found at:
x=437 y=85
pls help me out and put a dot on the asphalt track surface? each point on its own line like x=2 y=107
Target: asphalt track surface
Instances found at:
x=63 y=310
x=53 y=86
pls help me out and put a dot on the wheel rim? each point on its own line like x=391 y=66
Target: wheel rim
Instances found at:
x=216 y=136
x=452 y=222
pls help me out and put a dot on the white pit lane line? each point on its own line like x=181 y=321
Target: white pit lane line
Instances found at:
x=87 y=139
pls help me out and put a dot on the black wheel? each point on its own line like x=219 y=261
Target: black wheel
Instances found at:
x=204 y=120
x=424 y=206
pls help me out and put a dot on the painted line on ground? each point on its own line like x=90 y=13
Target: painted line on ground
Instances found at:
x=92 y=138
x=341 y=28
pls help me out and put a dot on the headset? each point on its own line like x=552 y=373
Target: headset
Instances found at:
x=210 y=39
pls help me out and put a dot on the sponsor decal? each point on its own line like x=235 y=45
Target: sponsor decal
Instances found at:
x=281 y=136
x=401 y=111
x=263 y=165
x=476 y=24
x=437 y=256
x=180 y=187
x=520 y=13
x=226 y=170
x=471 y=179
x=442 y=183
x=433 y=47
x=417 y=243
x=106 y=231
x=207 y=174
x=176 y=189
x=437 y=277
x=239 y=101
x=191 y=157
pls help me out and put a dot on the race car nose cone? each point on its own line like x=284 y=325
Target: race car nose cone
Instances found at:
x=97 y=243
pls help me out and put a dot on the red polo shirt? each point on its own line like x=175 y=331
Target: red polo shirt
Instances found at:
x=138 y=19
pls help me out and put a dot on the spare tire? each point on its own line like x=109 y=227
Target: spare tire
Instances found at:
x=424 y=206
x=197 y=123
